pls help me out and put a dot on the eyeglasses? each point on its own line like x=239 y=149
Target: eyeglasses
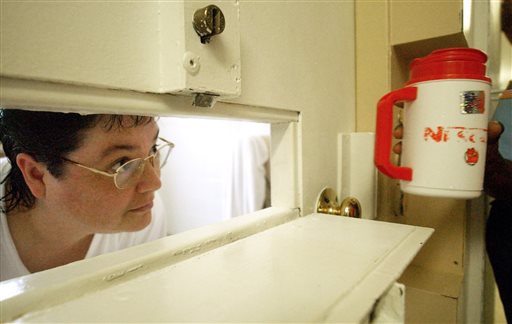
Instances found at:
x=129 y=173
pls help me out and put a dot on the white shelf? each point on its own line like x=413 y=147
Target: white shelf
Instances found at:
x=317 y=268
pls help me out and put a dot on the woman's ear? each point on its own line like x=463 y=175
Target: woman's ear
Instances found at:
x=33 y=173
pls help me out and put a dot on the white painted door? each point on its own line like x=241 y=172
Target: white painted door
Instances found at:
x=317 y=268
x=297 y=73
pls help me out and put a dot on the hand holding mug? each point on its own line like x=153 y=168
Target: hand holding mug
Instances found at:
x=445 y=104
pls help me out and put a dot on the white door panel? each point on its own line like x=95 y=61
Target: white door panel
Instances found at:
x=317 y=268
x=147 y=46
x=43 y=289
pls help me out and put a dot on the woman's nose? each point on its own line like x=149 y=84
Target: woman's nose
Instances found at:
x=150 y=179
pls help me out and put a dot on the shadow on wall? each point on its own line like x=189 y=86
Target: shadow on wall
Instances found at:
x=218 y=170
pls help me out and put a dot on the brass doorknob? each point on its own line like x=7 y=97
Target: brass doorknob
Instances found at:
x=328 y=204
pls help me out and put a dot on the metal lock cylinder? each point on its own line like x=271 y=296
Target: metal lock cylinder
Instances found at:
x=208 y=22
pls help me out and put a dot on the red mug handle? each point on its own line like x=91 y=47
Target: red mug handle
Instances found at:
x=384 y=132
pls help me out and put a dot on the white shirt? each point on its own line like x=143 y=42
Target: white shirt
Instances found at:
x=11 y=265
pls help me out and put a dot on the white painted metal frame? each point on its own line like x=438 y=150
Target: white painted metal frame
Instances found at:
x=42 y=296
x=285 y=168
x=39 y=95
x=242 y=276
x=46 y=289
x=52 y=287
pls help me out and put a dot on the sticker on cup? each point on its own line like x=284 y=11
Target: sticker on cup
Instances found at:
x=472 y=102
x=471 y=156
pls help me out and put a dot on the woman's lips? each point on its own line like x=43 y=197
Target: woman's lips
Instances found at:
x=143 y=208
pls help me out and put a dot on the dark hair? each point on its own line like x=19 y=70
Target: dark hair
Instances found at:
x=46 y=136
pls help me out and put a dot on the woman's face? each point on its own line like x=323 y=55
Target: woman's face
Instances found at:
x=92 y=201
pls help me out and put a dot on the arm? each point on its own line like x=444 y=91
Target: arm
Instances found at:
x=498 y=171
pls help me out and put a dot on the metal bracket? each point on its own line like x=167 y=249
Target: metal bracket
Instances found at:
x=205 y=100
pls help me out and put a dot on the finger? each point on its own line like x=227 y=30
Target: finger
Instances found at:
x=397 y=148
x=494 y=130
x=398 y=132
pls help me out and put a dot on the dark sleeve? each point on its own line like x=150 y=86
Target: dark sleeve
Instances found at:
x=498 y=174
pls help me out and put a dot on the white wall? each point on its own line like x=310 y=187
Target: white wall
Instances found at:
x=196 y=179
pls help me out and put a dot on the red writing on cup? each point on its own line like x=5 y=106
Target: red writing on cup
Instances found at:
x=460 y=134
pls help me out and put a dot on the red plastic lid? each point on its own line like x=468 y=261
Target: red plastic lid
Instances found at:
x=449 y=63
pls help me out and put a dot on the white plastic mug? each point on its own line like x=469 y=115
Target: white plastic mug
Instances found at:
x=446 y=106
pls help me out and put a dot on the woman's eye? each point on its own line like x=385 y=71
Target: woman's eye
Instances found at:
x=116 y=165
x=154 y=149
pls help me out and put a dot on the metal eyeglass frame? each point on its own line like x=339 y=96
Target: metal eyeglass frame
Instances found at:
x=114 y=175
